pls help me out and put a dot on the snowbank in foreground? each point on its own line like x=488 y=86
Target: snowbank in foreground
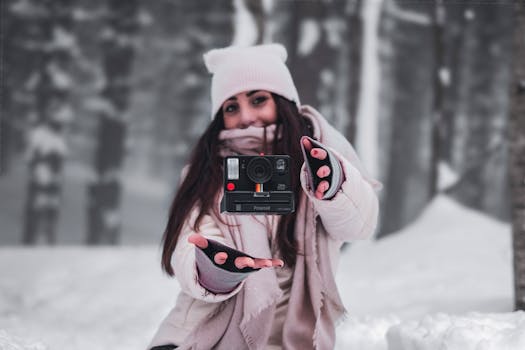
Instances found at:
x=474 y=331
x=7 y=342
x=451 y=261
x=365 y=333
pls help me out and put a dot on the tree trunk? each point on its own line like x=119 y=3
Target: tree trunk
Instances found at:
x=6 y=29
x=317 y=66
x=104 y=192
x=354 y=36
x=517 y=152
x=479 y=143
x=313 y=32
x=453 y=32
x=15 y=69
x=256 y=9
x=49 y=86
x=440 y=83
x=406 y=97
x=285 y=24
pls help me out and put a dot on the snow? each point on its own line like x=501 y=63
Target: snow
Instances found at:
x=469 y=14
x=63 y=114
x=97 y=104
x=334 y=29
x=471 y=332
x=7 y=342
x=309 y=36
x=60 y=78
x=452 y=259
x=448 y=277
x=408 y=16
x=445 y=76
x=63 y=39
x=145 y=18
x=444 y=282
x=447 y=177
x=83 y=298
x=27 y=9
x=45 y=141
x=245 y=29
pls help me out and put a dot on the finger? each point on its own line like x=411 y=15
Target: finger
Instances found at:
x=323 y=171
x=307 y=144
x=260 y=263
x=277 y=263
x=318 y=153
x=220 y=258
x=243 y=261
x=321 y=189
x=199 y=240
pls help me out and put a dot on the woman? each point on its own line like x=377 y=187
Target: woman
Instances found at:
x=262 y=281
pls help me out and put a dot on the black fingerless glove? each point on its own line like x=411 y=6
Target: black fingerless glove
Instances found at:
x=215 y=247
x=335 y=178
x=220 y=278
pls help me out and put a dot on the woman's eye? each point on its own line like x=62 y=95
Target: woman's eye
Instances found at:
x=260 y=99
x=230 y=108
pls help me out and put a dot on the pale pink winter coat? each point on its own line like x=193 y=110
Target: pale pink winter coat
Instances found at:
x=352 y=214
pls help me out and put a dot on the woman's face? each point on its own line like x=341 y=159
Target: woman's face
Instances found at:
x=249 y=108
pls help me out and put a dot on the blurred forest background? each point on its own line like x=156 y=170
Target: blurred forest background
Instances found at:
x=103 y=99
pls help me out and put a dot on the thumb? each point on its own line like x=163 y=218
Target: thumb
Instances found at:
x=198 y=240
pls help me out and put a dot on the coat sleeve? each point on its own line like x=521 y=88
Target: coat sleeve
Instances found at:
x=353 y=212
x=184 y=263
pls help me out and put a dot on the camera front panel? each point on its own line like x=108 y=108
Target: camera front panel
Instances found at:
x=257 y=184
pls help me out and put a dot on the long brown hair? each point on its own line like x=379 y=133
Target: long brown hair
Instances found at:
x=204 y=178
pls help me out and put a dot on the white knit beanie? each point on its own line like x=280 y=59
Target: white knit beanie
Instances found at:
x=236 y=69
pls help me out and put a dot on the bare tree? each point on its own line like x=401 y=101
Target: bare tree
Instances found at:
x=440 y=83
x=354 y=38
x=406 y=98
x=453 y=40
x=49 y=39
x=478 y=146
x=256 y=9
x=314 y=34
x=7 y=28
x=284 y=22
x=517 y=152
x=324 y=42
x=104 y=192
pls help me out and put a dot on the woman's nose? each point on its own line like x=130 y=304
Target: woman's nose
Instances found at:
x=247 y=118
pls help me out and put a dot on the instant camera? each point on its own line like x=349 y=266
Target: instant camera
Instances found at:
x=257 y=185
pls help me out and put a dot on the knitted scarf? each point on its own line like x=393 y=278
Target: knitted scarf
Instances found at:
x=250 y=141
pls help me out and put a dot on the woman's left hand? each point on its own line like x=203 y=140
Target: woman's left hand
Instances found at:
x=322 y=171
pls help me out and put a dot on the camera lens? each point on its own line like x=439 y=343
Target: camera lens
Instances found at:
x=259 y=170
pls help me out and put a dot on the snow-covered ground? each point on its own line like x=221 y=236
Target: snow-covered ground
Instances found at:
x=443 y=283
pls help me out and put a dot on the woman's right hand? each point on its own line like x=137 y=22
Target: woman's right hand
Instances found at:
x=220 y=257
